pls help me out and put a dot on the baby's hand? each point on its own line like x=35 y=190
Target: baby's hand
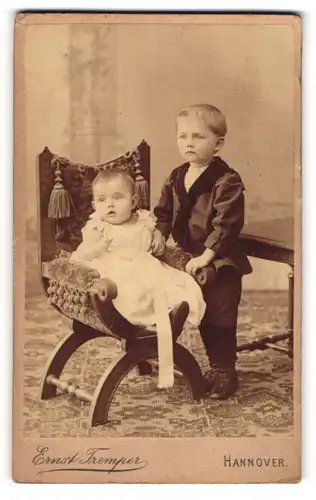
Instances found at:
x=101 y=248
x=158 y=243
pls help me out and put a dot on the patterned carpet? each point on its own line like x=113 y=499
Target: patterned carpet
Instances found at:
x=261 y=407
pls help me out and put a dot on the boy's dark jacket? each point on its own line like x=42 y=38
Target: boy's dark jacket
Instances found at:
x=210 y=214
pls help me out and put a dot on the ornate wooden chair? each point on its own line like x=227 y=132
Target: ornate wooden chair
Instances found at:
x=65 y=205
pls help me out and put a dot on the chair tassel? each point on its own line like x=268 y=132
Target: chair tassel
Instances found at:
x=60 y=201
x=142 y=191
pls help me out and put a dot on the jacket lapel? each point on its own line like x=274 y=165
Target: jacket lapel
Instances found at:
x=178 y=184
x=206 y=181
x=204 y=184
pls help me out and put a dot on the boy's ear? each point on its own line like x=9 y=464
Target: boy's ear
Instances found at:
x=93 y=205
x=219 y=144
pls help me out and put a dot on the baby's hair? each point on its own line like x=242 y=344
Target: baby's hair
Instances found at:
x=212 y=116
x=106 y=175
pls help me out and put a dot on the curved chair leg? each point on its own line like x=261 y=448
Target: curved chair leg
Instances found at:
x=61 y=354
x=187 y=364
x=110 y=381
x=117 y=370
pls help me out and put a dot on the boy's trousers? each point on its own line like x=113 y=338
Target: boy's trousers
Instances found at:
x=219 y=325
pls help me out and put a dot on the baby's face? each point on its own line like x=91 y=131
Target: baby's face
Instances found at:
x=113 y=200
x=196 y=142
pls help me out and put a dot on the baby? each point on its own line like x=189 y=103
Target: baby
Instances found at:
x=117 y=241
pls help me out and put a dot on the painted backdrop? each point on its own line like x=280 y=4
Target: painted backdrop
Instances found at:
x=94 y=91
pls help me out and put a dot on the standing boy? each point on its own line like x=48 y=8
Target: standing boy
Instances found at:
x=202 y=207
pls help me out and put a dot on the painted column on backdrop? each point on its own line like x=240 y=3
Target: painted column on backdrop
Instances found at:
x=93 y=92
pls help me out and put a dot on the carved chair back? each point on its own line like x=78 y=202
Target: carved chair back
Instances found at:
x=65 y=195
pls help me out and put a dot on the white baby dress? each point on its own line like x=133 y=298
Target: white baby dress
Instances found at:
x=136 y=273
x=147 y=289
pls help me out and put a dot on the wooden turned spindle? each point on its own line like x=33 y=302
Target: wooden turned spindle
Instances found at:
x=154 y=363
x=70 y=388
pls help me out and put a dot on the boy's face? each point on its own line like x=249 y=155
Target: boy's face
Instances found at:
x=113 y=200
x=196 y=142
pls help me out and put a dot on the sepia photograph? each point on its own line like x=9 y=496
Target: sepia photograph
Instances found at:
x=157 y=259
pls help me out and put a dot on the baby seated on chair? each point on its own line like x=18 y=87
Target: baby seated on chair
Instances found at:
x=118 y=241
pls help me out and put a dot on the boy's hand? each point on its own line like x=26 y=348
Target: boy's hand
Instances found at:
x=197 y=263
x=158 y=243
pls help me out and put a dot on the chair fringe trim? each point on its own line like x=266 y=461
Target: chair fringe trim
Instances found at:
x=60 y=202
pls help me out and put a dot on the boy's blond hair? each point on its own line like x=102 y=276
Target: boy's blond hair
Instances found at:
x=212 y=116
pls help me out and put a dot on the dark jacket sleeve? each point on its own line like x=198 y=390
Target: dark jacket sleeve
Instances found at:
x=164 y=209
x=229 y=207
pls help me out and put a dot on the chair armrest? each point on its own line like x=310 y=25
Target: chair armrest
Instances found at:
x=175 y=257
x=77 y=276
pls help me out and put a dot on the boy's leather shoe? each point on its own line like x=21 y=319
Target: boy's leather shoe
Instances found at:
x=222 y=383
